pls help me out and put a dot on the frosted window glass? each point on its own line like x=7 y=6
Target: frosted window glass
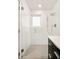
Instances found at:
x=36 y=21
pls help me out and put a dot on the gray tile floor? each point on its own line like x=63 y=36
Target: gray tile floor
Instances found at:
x=36 y=52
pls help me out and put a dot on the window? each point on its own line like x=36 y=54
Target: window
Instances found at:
x=36 y=21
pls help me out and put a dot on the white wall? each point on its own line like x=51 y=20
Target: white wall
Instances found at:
x=39 y=34
x=54 y=19
x=25 y=38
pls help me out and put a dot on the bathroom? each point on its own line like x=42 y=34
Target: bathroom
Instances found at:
x=39 y=29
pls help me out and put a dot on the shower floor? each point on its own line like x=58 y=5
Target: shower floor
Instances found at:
x=36 y=52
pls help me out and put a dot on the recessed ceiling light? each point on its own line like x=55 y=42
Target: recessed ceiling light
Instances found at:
x=39 y=5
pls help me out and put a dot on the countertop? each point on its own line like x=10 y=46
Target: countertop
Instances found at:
x=55 y=40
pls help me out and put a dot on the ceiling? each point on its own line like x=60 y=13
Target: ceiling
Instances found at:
x=46 y=4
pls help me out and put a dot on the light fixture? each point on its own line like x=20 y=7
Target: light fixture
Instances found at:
x=39 y=5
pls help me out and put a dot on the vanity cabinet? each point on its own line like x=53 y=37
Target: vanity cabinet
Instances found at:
x=53 y=51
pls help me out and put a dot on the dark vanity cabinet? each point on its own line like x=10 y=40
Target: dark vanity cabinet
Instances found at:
x=53 y=51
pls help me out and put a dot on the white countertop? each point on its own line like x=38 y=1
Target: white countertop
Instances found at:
x=55 y=40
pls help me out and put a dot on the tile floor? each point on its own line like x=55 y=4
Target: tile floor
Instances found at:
x=36 y=52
